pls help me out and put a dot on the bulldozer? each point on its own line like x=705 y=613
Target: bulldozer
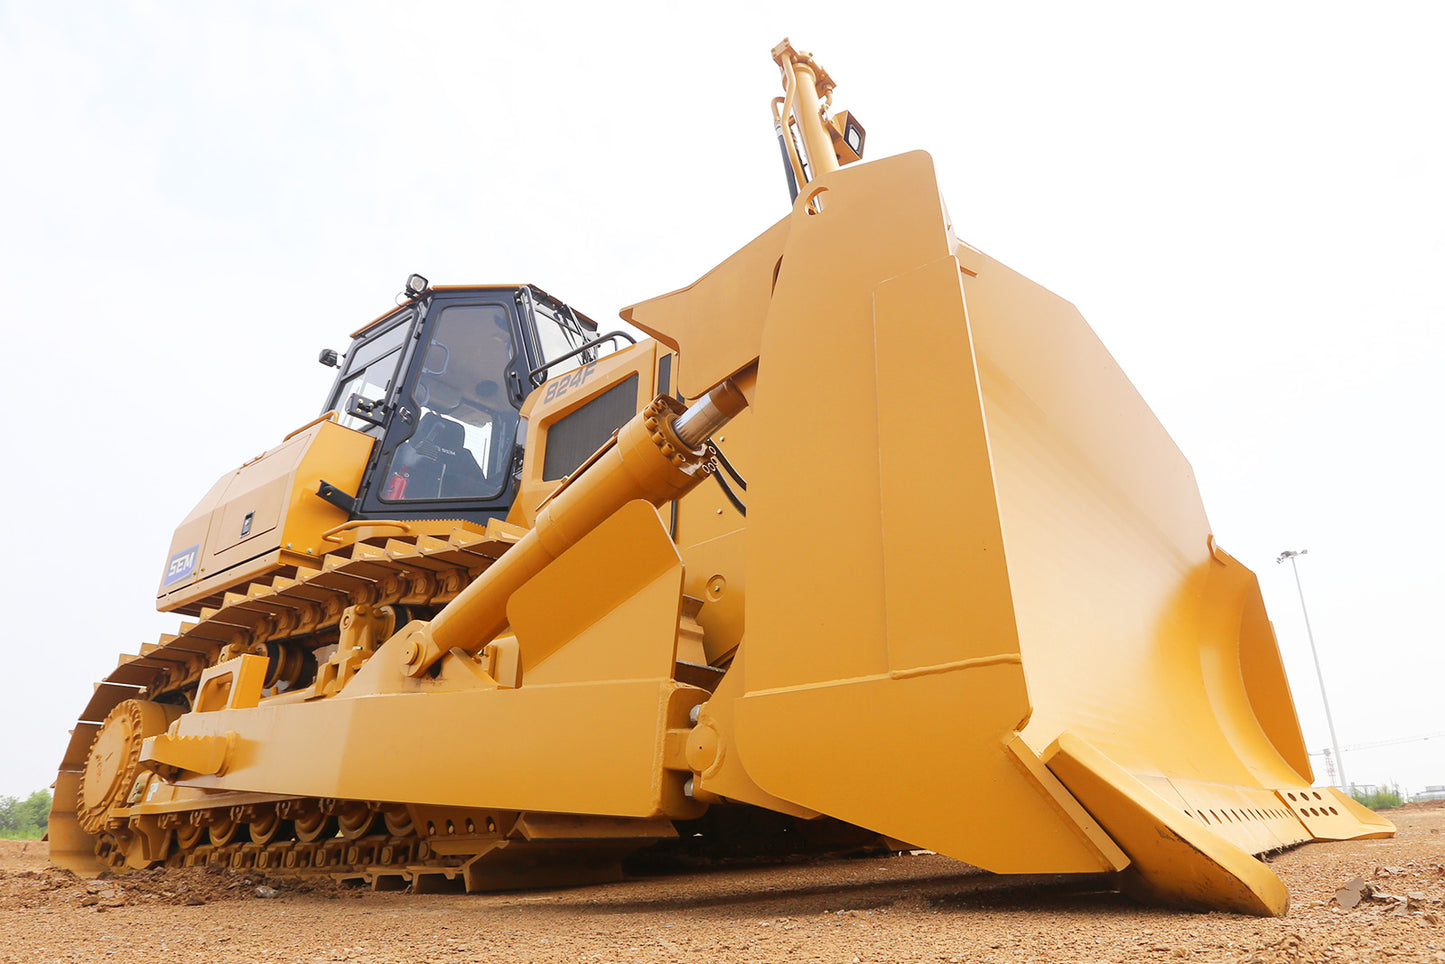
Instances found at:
x=868 y=544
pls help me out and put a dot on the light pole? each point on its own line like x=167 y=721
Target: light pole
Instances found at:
x=1329 y=720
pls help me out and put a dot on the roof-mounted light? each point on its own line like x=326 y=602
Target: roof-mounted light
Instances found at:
x=415 y=285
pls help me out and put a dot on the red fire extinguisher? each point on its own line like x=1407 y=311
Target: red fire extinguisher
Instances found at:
x=395 y=487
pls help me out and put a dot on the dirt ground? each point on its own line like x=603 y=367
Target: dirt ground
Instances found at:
x=908 y=908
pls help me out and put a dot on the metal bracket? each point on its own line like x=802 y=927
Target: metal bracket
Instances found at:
x=346 y=503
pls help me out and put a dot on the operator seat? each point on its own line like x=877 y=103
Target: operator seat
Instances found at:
x=439 y=463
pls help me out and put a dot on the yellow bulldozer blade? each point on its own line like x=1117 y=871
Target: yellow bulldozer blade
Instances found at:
x=985 y=612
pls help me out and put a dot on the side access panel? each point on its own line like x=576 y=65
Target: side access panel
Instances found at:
x=267 y=510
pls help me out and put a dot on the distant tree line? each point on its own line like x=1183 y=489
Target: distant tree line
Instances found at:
x=1379 y=798
x=24 y=819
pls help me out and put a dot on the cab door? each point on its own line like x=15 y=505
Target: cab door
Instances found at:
x=450 y=447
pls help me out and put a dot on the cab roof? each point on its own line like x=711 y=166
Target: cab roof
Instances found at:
x=586 y=321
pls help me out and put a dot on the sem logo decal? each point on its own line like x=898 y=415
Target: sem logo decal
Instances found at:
x=181 y=565
x=561 y=386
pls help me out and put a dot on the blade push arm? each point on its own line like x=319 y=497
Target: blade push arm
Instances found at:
x=658 y=456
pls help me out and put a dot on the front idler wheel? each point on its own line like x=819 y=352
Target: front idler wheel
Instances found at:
x=113 y=765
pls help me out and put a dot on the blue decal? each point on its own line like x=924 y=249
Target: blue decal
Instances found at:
x=182 y=564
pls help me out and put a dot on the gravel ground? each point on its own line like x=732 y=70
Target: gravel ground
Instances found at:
x=910 y=908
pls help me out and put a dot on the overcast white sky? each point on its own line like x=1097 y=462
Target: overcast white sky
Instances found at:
x=1245 y=199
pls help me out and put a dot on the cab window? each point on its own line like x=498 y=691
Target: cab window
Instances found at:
x=558 y=334
x=370 y=371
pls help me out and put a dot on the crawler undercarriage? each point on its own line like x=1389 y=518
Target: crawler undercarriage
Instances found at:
x=316 y=627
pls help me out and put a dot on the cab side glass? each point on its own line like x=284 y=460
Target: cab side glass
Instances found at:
x=557 y=335
x=370 y=373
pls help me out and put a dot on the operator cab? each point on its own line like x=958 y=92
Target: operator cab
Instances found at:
x=439 y=383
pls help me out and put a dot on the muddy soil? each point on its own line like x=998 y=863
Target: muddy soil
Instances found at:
x=909 y=908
